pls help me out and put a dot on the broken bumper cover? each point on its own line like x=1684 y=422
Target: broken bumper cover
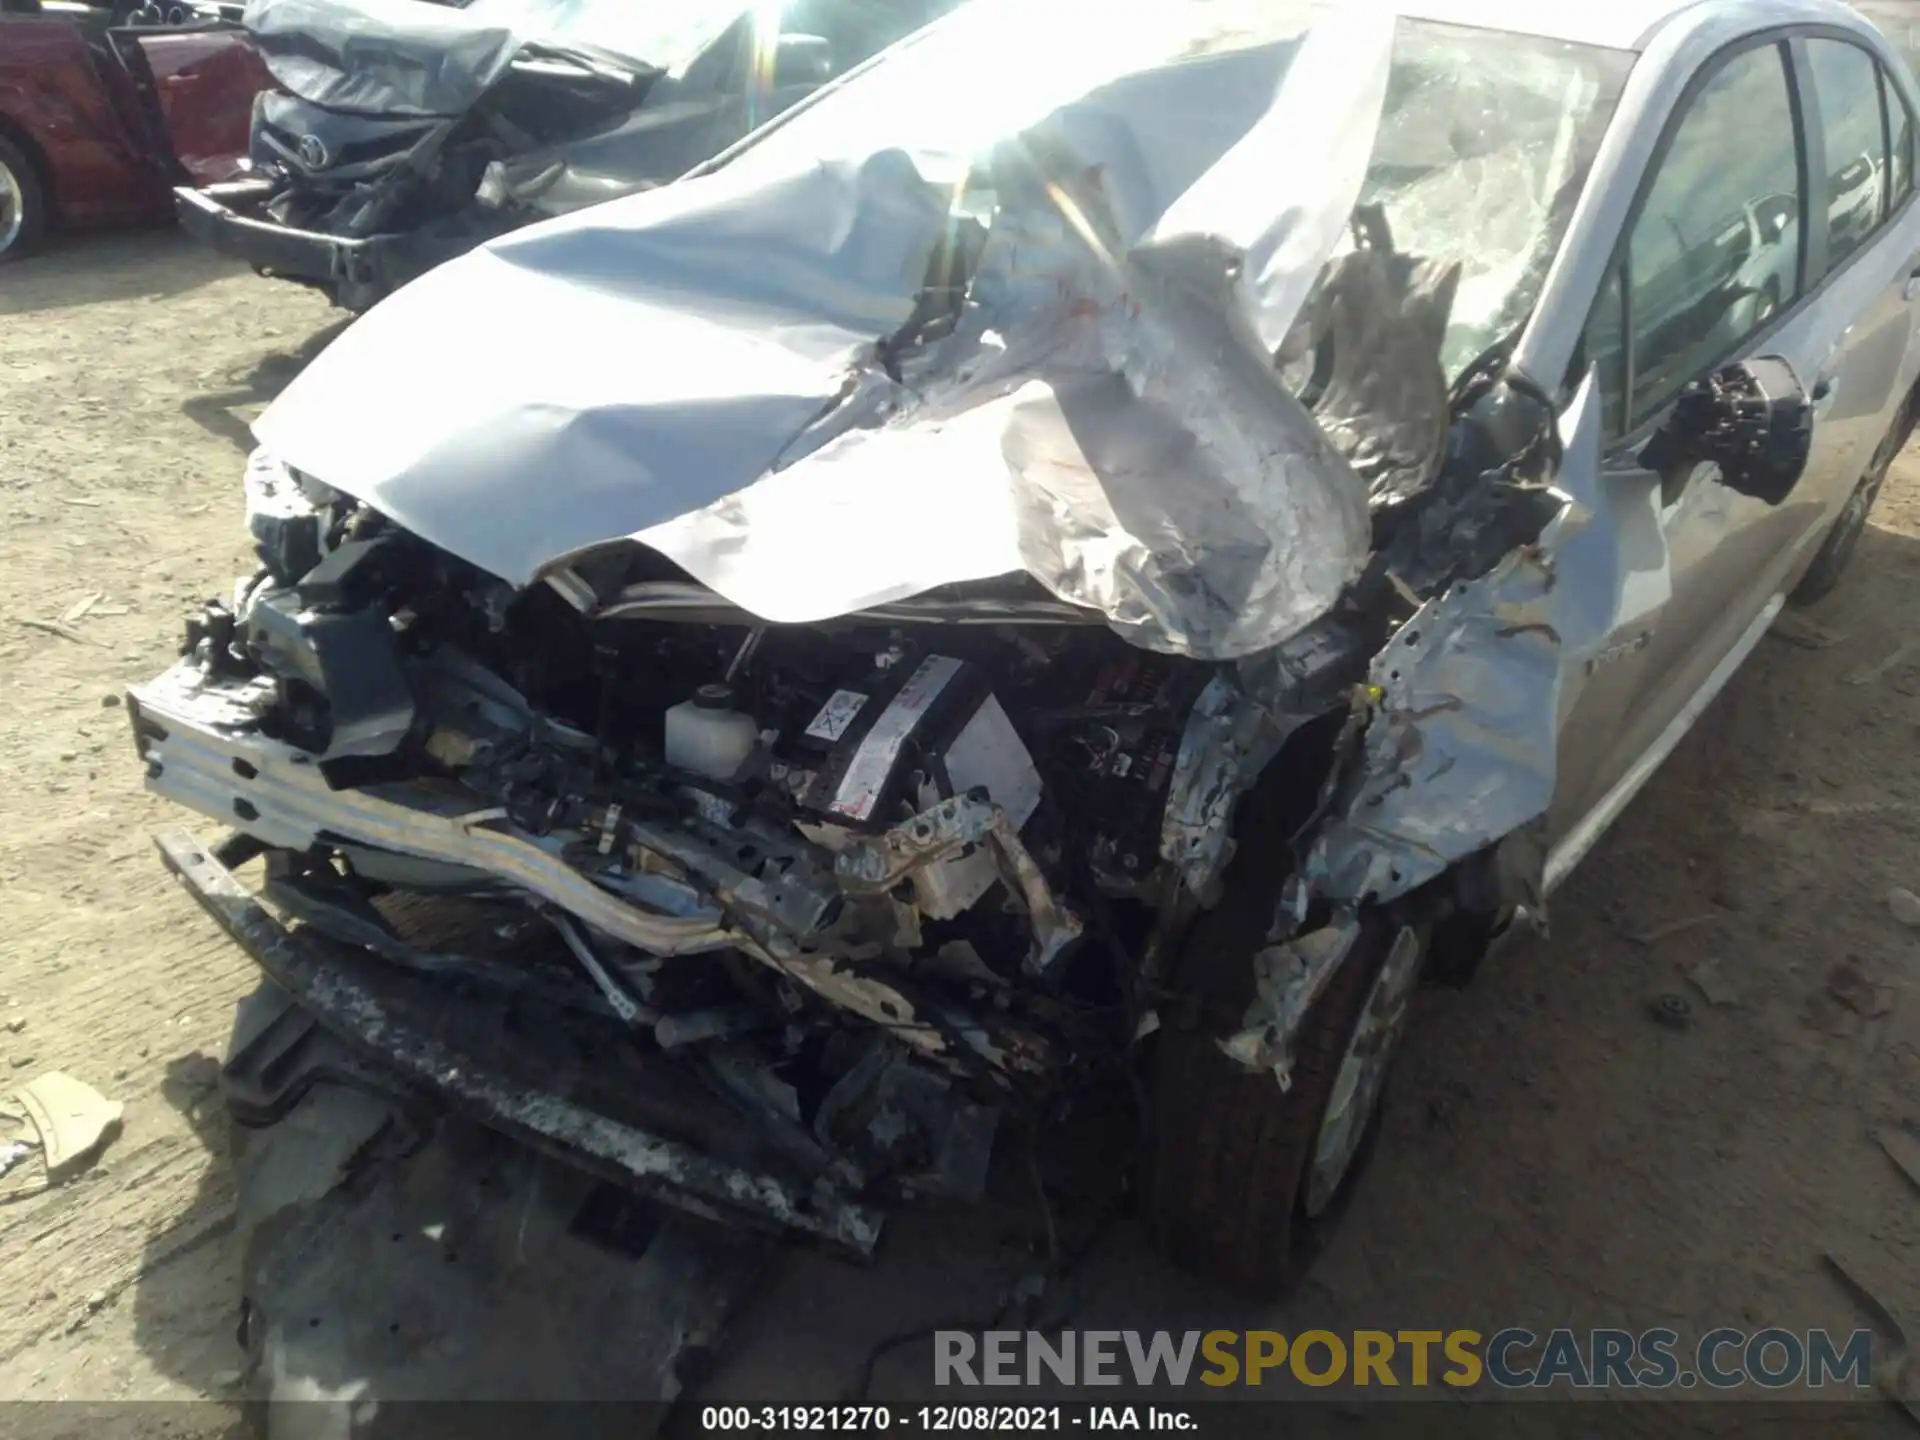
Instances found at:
x=408 y=1028
x=209 y=216
x=202 y=750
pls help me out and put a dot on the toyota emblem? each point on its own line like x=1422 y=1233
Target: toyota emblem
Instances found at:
x=313 y=153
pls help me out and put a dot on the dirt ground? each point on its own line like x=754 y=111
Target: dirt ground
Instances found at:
x=1552 y=1154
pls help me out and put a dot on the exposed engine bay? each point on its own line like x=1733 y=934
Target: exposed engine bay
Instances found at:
x=918 y=821
x=978 y=820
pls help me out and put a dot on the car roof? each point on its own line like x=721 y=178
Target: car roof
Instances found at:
x=1619 y=24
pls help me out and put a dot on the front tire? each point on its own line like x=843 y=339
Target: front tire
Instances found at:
x=1247 y=1180
x=1836 y=551
x=23 y=203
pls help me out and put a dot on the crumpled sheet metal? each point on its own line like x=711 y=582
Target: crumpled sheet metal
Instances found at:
x=680 y=126
x=1288 y=978
x=1280 y=197
x=1460 y=751
x=1104 y=416
x=1167 y=480
x=1383 y=315
x=1110 y=428
x=564 y=393
x=1610 y=558
x=1229 y=740
x=383 y=57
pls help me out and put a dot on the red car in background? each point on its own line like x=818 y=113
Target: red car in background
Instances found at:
x=100 y=119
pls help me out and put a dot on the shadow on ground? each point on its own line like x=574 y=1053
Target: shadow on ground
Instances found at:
x=221 y=412
x=187 y=1275
x=1558 y=1147
x=133 y=264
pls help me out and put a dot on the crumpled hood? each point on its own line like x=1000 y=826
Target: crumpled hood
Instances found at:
x=732 y=371
x=386 y=57
x=559 y=414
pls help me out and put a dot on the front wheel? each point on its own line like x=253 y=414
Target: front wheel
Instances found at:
x=1247 y=1179
x=23 y=203
x=1836 y=551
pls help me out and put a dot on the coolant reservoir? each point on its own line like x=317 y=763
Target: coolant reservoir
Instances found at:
x=707 y=736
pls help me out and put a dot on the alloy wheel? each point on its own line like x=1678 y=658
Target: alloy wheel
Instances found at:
x=1853 y=519
x=13 y=208
x=1363 y=1071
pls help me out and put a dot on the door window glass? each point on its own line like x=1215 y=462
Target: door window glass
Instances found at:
x=1716 y=249
x=1607 y=353
x=1900 y=162
x=1847 y=81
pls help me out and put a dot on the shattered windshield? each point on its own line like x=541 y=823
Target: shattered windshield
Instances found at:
x=1484 y=143
x=1484 y=146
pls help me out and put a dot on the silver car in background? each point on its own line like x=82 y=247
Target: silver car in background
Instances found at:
x=1080 y=545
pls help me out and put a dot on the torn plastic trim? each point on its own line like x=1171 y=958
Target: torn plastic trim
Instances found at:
x=555 y=1123
x=1288 y=978
x=1229 y=740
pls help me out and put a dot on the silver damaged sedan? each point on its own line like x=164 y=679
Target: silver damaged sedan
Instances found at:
x=1079 y=548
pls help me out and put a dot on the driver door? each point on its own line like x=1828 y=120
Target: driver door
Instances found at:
x=1714 y=267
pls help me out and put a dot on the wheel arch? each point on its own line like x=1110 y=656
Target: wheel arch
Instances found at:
x=23 y=140
x=1908 y=415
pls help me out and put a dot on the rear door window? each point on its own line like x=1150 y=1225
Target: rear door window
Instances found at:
x=1846 y=80
x=1900 y=131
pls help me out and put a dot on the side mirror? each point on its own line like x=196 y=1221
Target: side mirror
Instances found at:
x=1751 y=419
x=802 y=60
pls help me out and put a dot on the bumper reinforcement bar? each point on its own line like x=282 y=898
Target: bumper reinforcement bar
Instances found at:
x=400 y=1035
